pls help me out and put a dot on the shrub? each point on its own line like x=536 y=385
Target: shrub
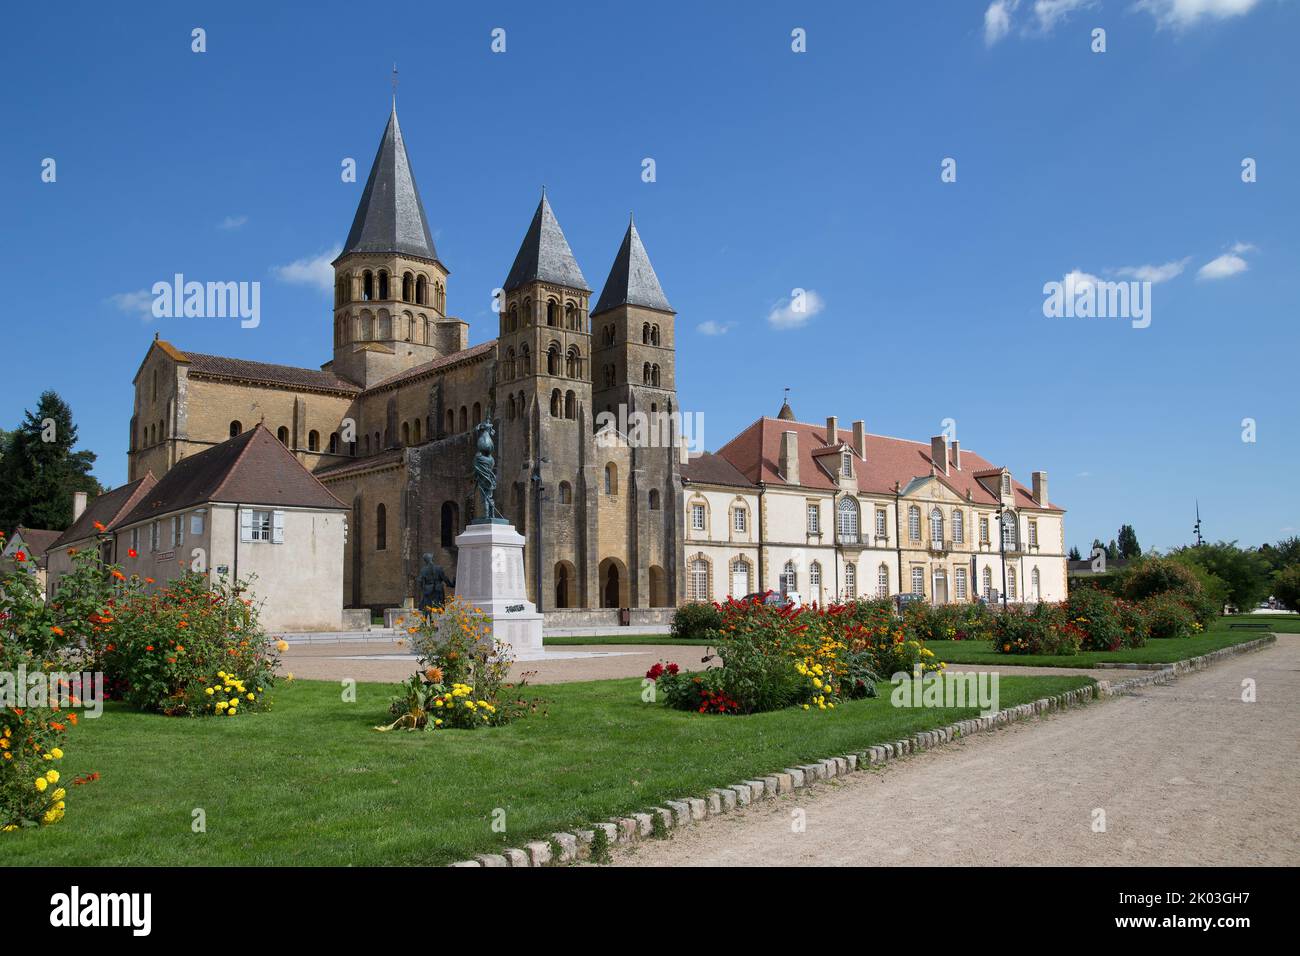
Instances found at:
x=1169 y=616
x=1094 y=615
x=462 y=678
x=193 y=647
x=1152 y=576
x=1036 y=629
x=1134 y=621
x=43 y=639
x=1286 y=587
x=698 y=621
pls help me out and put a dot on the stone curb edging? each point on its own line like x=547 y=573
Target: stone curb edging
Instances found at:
x=567 y=847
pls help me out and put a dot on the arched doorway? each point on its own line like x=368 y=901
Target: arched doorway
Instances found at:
x=565 y=580
x=613 y=583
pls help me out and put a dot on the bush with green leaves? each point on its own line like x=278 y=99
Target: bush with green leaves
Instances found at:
x=1168 y=615
x=1095 y=615
x=1286 y=587
x=696 y=621
x=1034 y=629
x=1135 y=621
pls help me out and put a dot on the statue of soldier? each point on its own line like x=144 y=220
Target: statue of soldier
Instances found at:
x=432 y=584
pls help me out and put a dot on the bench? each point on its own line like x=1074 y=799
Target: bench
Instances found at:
x=1249 y=627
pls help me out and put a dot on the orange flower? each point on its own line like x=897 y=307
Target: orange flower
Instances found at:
x=149 y=581
x=57 y=630
x=99 y=526
x=119 y=575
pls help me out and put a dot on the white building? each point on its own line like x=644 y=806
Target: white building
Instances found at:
x=829 y=515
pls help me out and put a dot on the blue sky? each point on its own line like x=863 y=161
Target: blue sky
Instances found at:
x=775 y=170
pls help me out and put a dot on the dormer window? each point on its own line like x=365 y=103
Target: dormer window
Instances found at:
x=846 y=464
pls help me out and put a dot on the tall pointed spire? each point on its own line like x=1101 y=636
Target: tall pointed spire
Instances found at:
x=632 y=279
x=545 y=255
x=390 y=217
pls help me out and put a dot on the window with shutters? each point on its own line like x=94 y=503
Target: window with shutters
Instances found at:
x=258 y=524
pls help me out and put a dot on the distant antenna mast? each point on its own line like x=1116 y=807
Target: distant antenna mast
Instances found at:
x=1197 y=527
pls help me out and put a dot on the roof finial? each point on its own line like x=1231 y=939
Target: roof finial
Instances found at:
x=543 y=190
x=394 y=85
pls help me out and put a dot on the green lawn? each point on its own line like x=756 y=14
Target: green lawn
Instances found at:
x=310 y=783
x=624 y=639
x=1163 y=651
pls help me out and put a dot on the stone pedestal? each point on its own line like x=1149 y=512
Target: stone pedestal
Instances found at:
x=490 y=576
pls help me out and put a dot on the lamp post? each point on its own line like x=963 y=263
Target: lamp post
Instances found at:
x=536 y=478
x=1004 y=514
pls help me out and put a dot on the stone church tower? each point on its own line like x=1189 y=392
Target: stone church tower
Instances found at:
x=387 y=423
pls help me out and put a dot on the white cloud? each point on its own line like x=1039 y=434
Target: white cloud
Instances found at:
x=232 y=222
x=997 y=20
x=1223 y=267
x=795 y=312
x=1241 y=248
x=1077 y=279
x=1180 y=14
x=138 y=303
x=1155 y=274
x=1051 y=12
x=710 y=327
x=315 y=271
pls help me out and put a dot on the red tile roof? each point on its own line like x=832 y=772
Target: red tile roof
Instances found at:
x=437 y=365
x=251 y=468
x=756 y=451
x=107 y=509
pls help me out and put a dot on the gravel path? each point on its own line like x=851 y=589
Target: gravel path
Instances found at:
x=1186 y=774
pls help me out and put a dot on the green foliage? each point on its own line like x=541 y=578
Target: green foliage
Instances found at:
x=696 y=621
x=1135 y=622
x=38 y=477
x=1094 y=615
x=1246 y=573
x=1286 y=587
x=1282 y=555
x=1034 y=629
x=1128 y=542
x=1170 y=616
x=600 y=846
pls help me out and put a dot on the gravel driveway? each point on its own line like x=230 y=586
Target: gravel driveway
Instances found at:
x=1186 y=773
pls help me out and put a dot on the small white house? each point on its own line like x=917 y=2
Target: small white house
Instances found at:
x=248 y=510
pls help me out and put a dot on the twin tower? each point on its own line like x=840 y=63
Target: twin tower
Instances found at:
x=390 y=307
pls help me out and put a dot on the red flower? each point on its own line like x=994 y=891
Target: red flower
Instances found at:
x=20 y=556
x=148 y=647
x=671 y=668
x=131 y=553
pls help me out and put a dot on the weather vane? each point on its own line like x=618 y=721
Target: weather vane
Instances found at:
x=394 y=82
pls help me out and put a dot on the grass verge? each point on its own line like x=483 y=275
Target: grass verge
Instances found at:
x=309 y=782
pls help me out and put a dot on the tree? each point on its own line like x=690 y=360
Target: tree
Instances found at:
x=1282 y=555
x=1074 y=554
x=1112 y=551
x=1246 y=573
x=1286 y=587
x=1128 y=542
x=39 y=471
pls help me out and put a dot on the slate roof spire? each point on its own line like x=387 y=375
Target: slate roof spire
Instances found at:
x=632 y=279
x=545 y=255
x=390 y=216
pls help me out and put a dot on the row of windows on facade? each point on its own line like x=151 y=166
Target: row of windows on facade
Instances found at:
x=572 y=318
x=848 y=520
x=374 y=286
x=700 y=571
x=254 y=525
x=368 y=327
x=650 y=334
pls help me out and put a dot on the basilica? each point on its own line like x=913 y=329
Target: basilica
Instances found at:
x=386 y=425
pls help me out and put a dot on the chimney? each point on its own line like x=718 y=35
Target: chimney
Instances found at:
x=788 y=464
x=860 y=439
x=78 y=504
x=1040 y=488
x=954 y=453
x=939 y=453
x=832 y=431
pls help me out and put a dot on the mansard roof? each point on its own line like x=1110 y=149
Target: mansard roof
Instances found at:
x=544 y=255
x=390 y=216
x=632 y=279
x=756 y=451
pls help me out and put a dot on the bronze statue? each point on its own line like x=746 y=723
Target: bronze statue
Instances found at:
x=432 y=585
x=485 y=471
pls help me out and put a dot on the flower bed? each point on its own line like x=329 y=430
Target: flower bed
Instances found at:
x=776 y=656
x=462 y=678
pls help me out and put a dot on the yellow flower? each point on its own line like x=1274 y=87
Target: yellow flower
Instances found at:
x=52 y=777
x=250 y=697
x=208 y=691
x=41 y=784
x=58 y=754
x=59 y=794
x=281 y=646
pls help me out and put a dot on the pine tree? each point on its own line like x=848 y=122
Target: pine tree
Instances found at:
x=1074 y=554
x=1128 y=542
x=39 y=471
